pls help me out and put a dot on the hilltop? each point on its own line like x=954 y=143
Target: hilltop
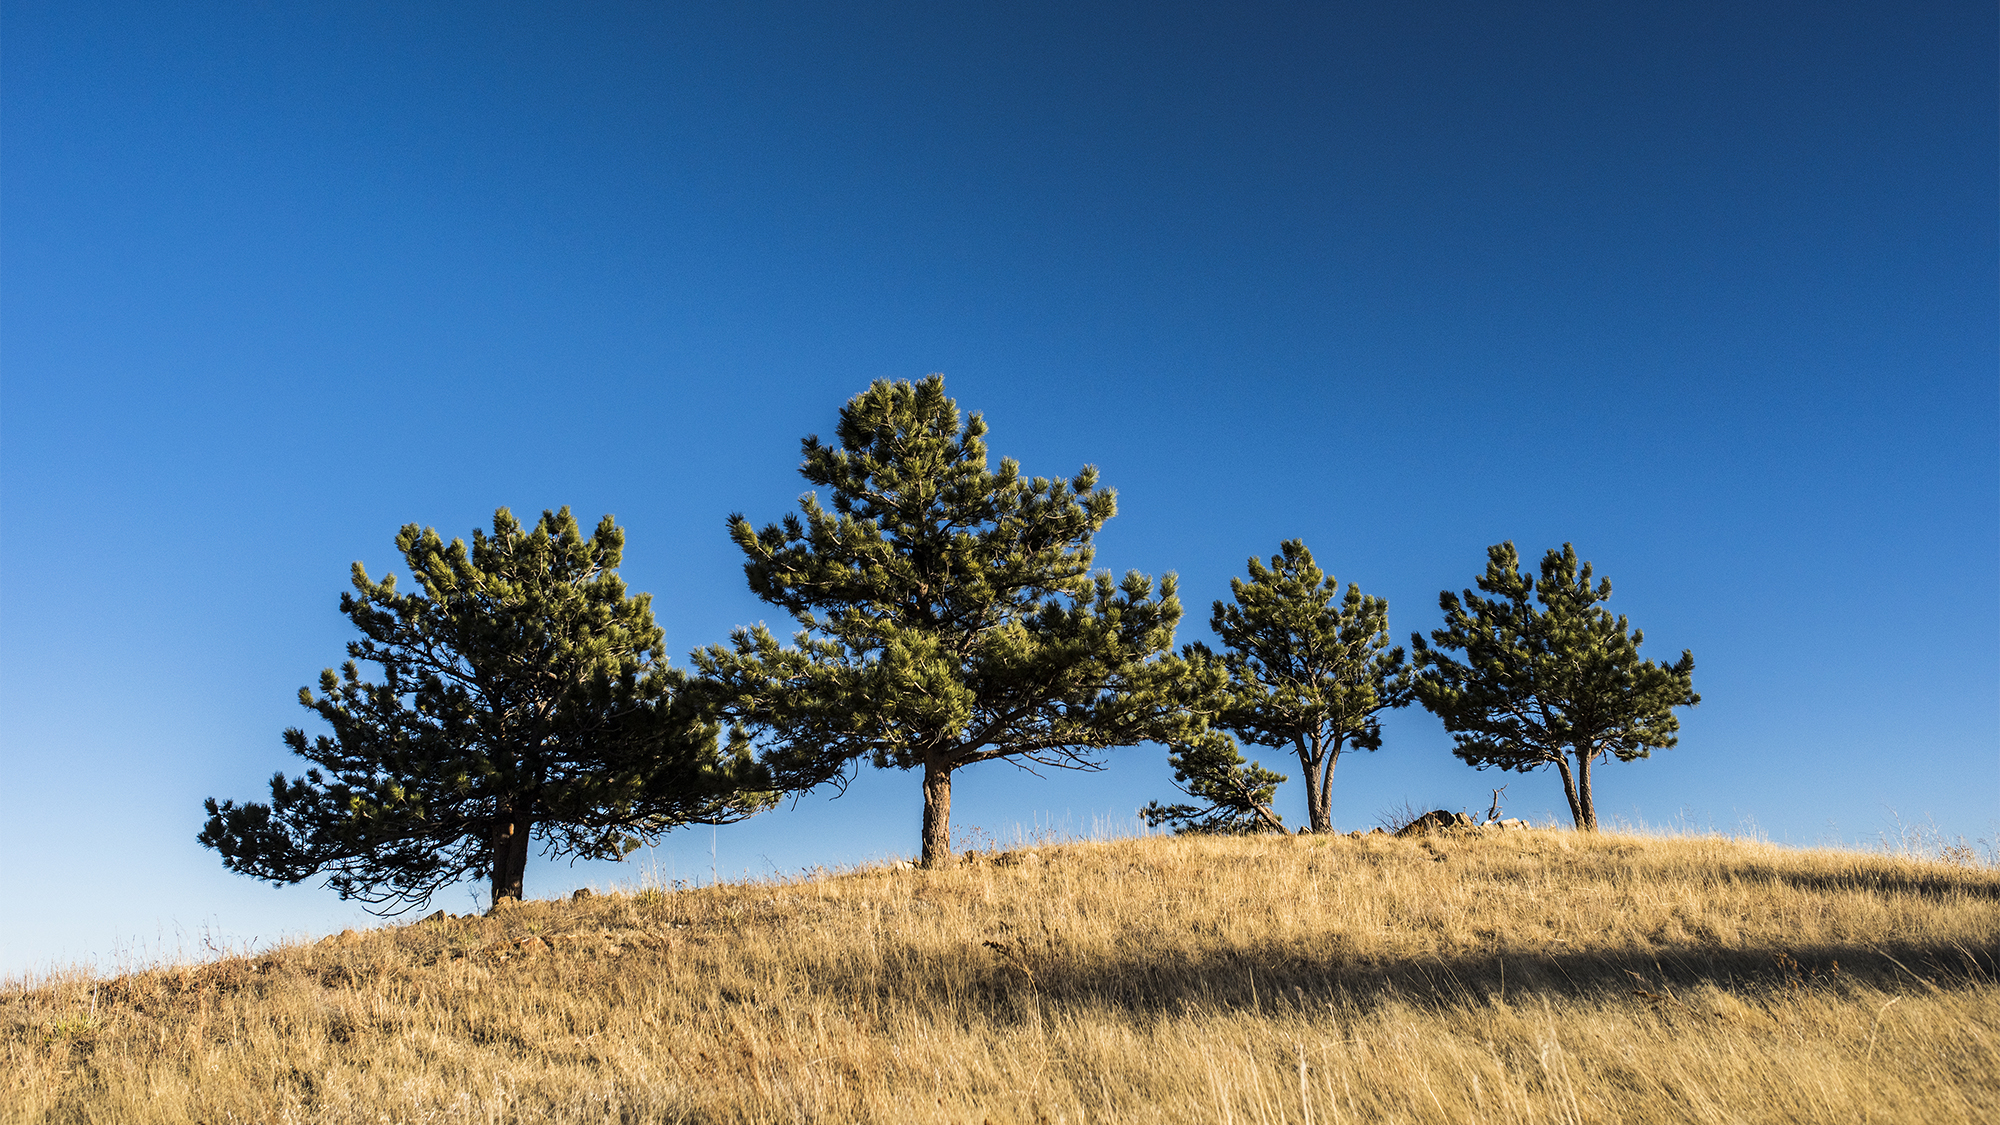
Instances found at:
x=1520 y=976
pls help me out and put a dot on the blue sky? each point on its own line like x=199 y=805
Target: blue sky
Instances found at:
x=1708 y=290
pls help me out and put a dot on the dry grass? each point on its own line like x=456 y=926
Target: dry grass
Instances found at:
x=1525 y=977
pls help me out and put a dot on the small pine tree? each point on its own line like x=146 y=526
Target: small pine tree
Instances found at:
x=1557 y=685
x=948 y=614
x=1309 y=670
x=1236 y=793
x=523 y=693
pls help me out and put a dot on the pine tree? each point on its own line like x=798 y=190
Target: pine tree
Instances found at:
x=1309 y=671
x=1236 y=794
x=948 y=614
x=522 y=694
x=1558 y=685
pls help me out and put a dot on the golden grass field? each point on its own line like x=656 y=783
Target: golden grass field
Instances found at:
x=1515 y=977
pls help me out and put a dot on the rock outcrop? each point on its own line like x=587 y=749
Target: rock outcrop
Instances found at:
x=1438 y=820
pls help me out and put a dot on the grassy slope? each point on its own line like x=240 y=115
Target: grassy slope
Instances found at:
x=1532 y=976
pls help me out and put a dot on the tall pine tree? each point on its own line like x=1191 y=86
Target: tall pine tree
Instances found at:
x=1557 y=684
x=522 y=693
x=948 y=614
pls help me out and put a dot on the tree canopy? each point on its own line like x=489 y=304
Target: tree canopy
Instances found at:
x=1559 y=683
x=522 y=693
x=948 y=613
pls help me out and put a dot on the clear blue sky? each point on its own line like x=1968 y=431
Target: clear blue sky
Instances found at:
x=1709 y=290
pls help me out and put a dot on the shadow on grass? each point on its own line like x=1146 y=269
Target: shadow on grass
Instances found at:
x=1926 y=884
x=1272 y=977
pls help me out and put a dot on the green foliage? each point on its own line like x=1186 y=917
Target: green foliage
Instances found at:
x=948 y=613
x=1236 y=794
x=1309 y=670
x=522 y=691
x=1548 y=685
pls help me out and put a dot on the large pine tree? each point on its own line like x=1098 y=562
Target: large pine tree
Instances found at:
x=948 y=613
x=522 y=693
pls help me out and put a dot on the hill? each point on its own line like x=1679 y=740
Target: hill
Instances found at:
x=1521 y=976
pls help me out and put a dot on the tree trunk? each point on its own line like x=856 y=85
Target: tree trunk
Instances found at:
x=1309 y=764
x=937 y=812
x=1264 y=813
x=1587 y=809
x=1569 y=791
x=1319 y=798
x=510 y=853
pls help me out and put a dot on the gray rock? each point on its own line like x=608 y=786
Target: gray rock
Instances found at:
x=1438 y=820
